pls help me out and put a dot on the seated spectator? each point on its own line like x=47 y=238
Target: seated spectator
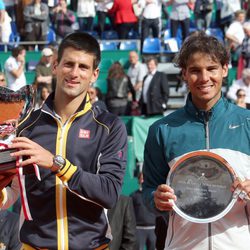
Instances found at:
x=9 y=231
x=2 y=80
x=123 y=225
x=14 y=68
x=5 y=24
x=44 y=70
x=119 y=85
x=36 y=17
x=241 y=98
x=63 y=19
x=243 y=83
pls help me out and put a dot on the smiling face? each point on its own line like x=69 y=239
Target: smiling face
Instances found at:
x=204 y=78
x=151 y=65
x=74 y=73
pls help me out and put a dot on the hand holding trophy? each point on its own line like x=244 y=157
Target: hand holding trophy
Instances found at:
x=15 y=106
x=202 y=182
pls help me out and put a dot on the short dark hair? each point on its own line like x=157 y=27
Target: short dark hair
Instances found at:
x=81 y=41
x=238 y=91
x=152 y=58
x=200 y=42
x=16 y=51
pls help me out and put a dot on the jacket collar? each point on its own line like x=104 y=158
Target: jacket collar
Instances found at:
x=48 y=105
x=216 y=111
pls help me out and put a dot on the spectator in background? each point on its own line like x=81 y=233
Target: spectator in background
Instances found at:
x=235 y=35
x=241 y=99
x=123 y=225
x=227 y=10
x=44 y=74
x=14 y=68
x=63 y=19
x=124 y=17
x=36 y=16
x=9 y=231
x=19 y=16
x=102 y=8
x=145 y=220
x=95 y=96
x=2 y=80
x=86 y=13
x=245 y=47
x=10 y=7
x=5 y=24
x=150 y=18
x=136 y=73
x=155 y=90
x=44 y=93
x=119 y=85
x=243 y=83
x=203 y=10
x=180 y=15
x=161 y=228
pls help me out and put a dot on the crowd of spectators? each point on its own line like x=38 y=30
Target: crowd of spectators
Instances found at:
x=34 y=18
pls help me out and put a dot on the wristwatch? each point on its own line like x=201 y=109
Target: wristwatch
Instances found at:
x=58 y=163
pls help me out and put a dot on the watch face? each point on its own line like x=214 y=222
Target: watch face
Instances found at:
x=59 y=161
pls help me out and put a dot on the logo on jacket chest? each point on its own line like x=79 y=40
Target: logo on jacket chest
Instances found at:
x=84 y=133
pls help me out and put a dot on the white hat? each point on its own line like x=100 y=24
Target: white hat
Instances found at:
x=47 y=52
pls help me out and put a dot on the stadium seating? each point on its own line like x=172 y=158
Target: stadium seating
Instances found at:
x=151 y=46
x=128 y=45
x=216 y=32
x=108 y=45
x=51 y=36
x=109 y=35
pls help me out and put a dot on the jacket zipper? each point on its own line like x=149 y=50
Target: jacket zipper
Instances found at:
x=61 y=186
x=206 y=117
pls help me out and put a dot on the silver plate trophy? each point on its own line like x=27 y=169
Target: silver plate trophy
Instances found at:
x=15 y=106
x=202 y=183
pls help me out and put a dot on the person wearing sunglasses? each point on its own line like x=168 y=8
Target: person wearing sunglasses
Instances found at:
x=244 y=84
x=241 y=98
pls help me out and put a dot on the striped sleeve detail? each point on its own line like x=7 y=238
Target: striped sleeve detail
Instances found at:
x=67 y=171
